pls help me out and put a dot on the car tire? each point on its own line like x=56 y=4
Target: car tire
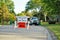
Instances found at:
x=51 y=22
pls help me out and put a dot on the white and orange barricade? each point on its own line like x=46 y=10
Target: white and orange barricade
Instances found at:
x=21 y=22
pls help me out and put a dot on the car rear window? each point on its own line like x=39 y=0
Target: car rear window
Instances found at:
x=34 y=18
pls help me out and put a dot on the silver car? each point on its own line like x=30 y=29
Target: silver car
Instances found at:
x=34 y=20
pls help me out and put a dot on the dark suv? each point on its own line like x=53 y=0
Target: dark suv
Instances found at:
x=34 y=20
x=52 y=19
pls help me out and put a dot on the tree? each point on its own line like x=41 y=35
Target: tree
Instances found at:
x=51 y=7
x=23 y=13
x=33 y=5
x=0 y=15
x=9 y=4
x=47 y=6
x=5 y=13
x=29 y=14
x=6 y=10
x=12 y=17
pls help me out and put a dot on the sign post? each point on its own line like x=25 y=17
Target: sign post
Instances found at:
x=15 y=25
x=28 y=25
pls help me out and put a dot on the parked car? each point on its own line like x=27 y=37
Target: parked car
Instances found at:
x=34 y=20
x=52 y=19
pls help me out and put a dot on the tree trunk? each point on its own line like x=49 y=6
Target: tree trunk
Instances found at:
x=45 y=18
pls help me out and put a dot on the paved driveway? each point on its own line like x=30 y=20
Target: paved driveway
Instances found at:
x=8 y=32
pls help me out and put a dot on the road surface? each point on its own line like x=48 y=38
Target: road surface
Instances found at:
x=8 y=32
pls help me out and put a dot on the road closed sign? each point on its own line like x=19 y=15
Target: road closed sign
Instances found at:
x=21 y=21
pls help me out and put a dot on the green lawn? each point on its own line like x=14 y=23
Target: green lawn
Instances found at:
x=53 y=27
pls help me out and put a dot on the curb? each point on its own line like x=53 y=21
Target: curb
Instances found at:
x=52 y=34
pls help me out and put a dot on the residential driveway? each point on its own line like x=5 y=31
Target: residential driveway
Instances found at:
x=8 y=32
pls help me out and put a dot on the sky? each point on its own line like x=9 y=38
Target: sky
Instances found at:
x=19 y=5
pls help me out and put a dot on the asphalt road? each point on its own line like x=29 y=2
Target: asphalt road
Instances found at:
x=8 y=32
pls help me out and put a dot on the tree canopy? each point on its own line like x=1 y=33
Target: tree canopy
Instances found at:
x=9 y=4
x=47 y=7
x=6 y=10
x=23 y=13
